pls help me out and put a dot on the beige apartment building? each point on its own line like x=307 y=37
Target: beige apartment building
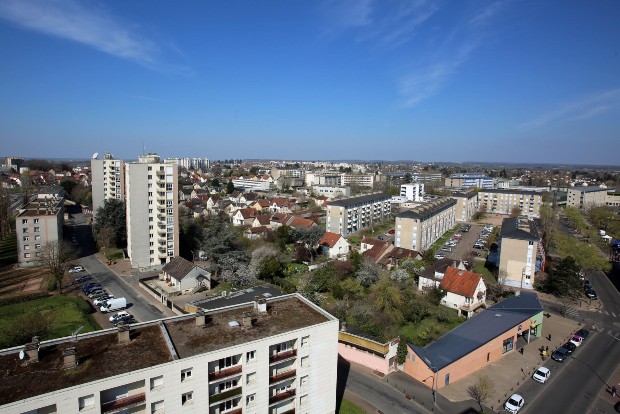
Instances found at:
x=466 y=203
x=520 y=252
x=264 y=357
x=38 y=223
x=152 y=211
x=108 y=180
x=502 y=201
x=349 y=215
x=584 y=197
x=418 y=228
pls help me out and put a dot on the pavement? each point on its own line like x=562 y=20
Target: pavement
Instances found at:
x=608 y=403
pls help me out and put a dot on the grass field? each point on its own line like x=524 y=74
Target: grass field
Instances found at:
x=481 y=269
x=63 y=311
x=347 y=407
x=440 y=241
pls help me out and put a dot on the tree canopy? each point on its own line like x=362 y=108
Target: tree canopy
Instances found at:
x=112 y=214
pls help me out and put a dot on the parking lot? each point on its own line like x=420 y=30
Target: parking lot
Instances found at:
x=464 y=248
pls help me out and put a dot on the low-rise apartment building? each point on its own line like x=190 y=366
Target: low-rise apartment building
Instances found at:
x=584 y=197
x=502 y=201
x=466 y=203
x=418 y=228
x=520 y=253
x=331 y=191
x=108 y=180
x=268 y=356
x=251 y=184
x=470 y=180
x=412 y=192
x=38 y=223
x=349 y=215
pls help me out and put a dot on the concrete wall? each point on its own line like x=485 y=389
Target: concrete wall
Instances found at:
x=513 y=264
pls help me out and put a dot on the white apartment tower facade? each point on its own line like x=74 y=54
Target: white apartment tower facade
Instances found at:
x=413 y=192
x=152 y=211
x=108 y=180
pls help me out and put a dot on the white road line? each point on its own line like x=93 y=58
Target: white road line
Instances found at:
x=613 y=314
x=606 y=313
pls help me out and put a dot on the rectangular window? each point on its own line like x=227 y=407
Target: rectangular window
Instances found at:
x=157 y=407
x=26 y=238
x=304 y=381
x=36 y=221
x=25 y=230
x=24 y=221
x=37 y=237
x=250 y=356
x=26 y=255
x=305 y=361
x=250 y=378
x=26 y=247
x=305 y=341
x=508 y=345
x=86 y=402
x=36 y=229
x=157 y=382
x=303 y=400
x=37 y=246
x=186 y=374
x=250 y=400
x=187 y=398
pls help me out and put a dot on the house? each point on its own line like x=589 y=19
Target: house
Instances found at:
x=431 y=276
x=258 y=232
x=334 y=245
x=279 y=219
x=261 y=205
x=261 y=220
x=464 y=291
x=184 y=275
x=301 y=223
x=477 y=342
x=280 y=205
x=395 y=256
x=244 y=216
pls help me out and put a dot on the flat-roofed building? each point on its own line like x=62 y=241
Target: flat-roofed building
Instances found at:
x=586 y=196
x=251 y=184
x=38 y=223
x=502 y=201
x=520 y=253
x=267 y=356
x=331 y=191
x=470 y=180
x=418 y=228
x=108 y=180
x=364 y=180
x=466 y=203
x=349 y=215
x=412 y=192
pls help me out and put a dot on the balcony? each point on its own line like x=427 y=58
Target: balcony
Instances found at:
x=121 y=404
x=282 y=376
x=218 y=375
x=226 y=395
x=161 y=230
x=282 y=396
x=283 y=355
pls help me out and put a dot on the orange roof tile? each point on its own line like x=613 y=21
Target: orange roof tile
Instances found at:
x=461 y=282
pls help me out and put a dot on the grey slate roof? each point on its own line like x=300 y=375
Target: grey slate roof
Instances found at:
x=424 y=211
x=346 y=202
x=479 y=330
x=510 y=191
x=178 y=267
x=512 y=230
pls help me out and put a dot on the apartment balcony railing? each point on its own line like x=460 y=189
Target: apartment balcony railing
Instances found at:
x=282 y=376
x=234 y=411
x=283 y=355
x=282 y=396
x=123 y=403
x=226 y=395
x=291 y=411
x=218 y=375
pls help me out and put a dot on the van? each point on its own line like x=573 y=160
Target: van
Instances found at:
x=114 y=305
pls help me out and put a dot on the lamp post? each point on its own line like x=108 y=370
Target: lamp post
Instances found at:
x=434 y=385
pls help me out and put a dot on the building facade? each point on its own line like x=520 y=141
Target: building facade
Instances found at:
x=38 y=223
x=504 y=201
x=271 y=357
x=413 y=192
x=466 y=203
x=520 y=253
x=583 y=197
x=470 y=180
x=418 y=228
x=108 y=180
x=331 y=191
x=251 y=185
x=152 y=211
x=356 y=213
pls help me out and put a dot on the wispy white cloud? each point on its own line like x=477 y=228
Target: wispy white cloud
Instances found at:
x=486 y=14
x=577 y=110
x=91 y=25
x=343 y=15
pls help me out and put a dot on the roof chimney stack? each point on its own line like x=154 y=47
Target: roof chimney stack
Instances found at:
x=123 y=333
x=69 y=359
x=200 y=318
x=247 y=319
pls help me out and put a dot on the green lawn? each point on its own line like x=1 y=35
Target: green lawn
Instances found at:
x=432 y=327
x=63 y=311
x=443 y=239
x=347 y=407
x=480 y=268
x=113 y=253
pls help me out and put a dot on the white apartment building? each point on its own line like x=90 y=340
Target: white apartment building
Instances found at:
x=521 y=255
x=152 y=211
x=251 y=184
x=504 y=201
x=590 y=196
x=418 y=228
x=470 y=180
x=331 y=191
x=413 y=192
x=187 y=162
x=108 y=180
x=364 y=180
x=349 y=215
x=264 y=357
x=39 y=222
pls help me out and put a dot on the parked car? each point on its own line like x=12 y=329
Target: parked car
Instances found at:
x=478 y=246
x=446 y=249
x=96 y=292
x=118 y=315
x=576 y=340
x=591 y=293
x=514 y=403
x=83 y=278
x=391 y=231
x=113 y=305
x=584 y=333
x=570 y=347
x=103 y=299
x=439 y=256
x=90 y=286
x=124 y=319
x=541 y=375
x=76 y=269
x=560 y=354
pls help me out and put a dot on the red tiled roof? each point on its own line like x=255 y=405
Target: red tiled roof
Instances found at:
x=264 y=219
x=330 y=239
x=247 y=213
x=461 y=282
x=301 y=222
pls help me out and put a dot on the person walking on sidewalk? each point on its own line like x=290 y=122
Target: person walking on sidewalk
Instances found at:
x=614 y=390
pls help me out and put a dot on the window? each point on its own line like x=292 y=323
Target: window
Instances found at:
x=250 y=399
x=508 y=345
x=250 y=356
x=186 y=374
x=37 y=237
x=37 y=246
x=187 y=398
x=250 y=378
x=36 y=229
x=26 y=238
x=304 y=381
x=86 y=402
x=24 y=221
x=303 y=400
x=157 y=382
x=25 y=230
x=26 y=247
x=305 y=341
x=305 y=361
x=36 y=221
x=27 y=255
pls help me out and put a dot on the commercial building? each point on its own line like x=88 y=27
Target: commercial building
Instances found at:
x=331 y=191
x=349 y=215
x=38 y=223
x=108 y=180
x=583 y=197
x=418 y=228
x=477 y=342
x=466 y=203
x=470 y=180
x=251 y=184
x=520 y=252
x=152 y=211
x=413 y=192
x=268 y=356
x=504 y=201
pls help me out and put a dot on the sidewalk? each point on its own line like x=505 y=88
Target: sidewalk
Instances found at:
x=606 y=402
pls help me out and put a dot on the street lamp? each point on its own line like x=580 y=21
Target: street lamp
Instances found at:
x=434 y=384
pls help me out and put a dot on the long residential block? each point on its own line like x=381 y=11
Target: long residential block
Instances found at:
x=418 y=228
x=349 y=215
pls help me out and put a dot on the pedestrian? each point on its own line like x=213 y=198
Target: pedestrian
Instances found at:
x=547 y=349
x=521 y=350
x=614 y=390
x=550 y=337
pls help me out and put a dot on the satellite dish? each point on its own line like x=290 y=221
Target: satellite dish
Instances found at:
x=95 y=155
x=22 y=355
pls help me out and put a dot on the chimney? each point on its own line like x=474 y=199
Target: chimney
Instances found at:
x=200 y=318
x=32 y=349
x=247 y=319
x=454 y=263
x=69 y=359
x=123 y=333
x=256 y=299
x=343 y=327
x=262 y=305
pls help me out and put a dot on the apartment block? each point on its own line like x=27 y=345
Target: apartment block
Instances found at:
x=38 y=223
x=152 y=211
x=356 y=213
x=466 y=203
x=331 y=191
x=470 y=180
x=418 y=228
x=364 y=180
x=251 y=184
x=520 y=252
x=187 y=162
x=108 y=180
x=413 y=192
x=584 y=197
x=268 y=356
x=504 y=201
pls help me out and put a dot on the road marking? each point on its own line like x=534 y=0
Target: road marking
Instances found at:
x=606 y=313
x=613 y=314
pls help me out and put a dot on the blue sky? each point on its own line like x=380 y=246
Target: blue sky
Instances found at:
x=509 y=81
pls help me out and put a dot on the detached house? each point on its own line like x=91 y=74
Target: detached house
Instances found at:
x=465 y=291
x=183 y=275
x=244 y=216
x=334 y=245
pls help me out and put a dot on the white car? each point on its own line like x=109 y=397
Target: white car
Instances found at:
x=576 y=340
x=119 y=315
x=99 y=302
x=514 y=403
x=439 y=256
x=541 y=375
x=76 y=269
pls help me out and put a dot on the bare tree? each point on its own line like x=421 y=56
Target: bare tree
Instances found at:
x=481 y=390
x=55 y=255
x=106 y=237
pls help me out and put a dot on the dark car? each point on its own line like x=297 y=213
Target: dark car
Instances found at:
x=570 y=347
x=92 y=288
x=584 y=333
x=83 y=278
x=89 y=285
x=124 y=319
x=560 y=354
x=591 y=293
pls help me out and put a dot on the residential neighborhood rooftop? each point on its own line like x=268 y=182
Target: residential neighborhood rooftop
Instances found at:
x=351 y=201
x=427 y=209
x=519 y=228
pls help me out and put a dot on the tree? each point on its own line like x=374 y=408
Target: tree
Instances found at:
x=283 y=236
x=368 y=273
x=219 y=241
x=399 y=275
x=106 y=238
x=112 y=214
x=309 y=238
x=237 y=273
x=401 y=352
x=55 y=255
x=230 y=187
x=515 y=212
x=5 y=213
x=215 y=182
x=408 y=178
x=481 y=390
x=68 y=184
x=387 y=298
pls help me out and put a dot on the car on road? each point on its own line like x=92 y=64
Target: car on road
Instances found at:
x=584 y=333
x=560 y=354
x=576 y=340
x=103 y=299
x=118 y=315
x=514 y=403
x=124 y=319
x=446 y=249
x=478 y=246
x=591 y=293
x=83 y=278
x=439 y=256
x=571 y=347
x=76 y=269
x=541 y=375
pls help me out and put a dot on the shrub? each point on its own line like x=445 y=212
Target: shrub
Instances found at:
x=24 y=298
x=83 y=305
x=51 y=284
